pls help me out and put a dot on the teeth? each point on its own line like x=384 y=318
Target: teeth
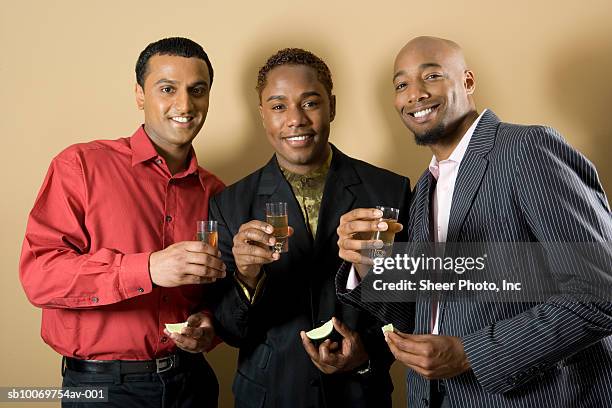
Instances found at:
x=181 y=119
x=296 y=138
x=422 y=113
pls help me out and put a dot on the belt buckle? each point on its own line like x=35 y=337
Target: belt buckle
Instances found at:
x=164 y=364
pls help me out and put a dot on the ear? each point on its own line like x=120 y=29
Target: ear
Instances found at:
x=469 y=82
x=261 y=112
x=139 y=96
x=332 y=108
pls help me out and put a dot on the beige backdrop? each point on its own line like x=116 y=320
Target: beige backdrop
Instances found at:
x=66 y=70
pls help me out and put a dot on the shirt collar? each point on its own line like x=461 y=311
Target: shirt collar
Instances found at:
x=320 y=173
x=144 y=150
x=459 y=151
x=142 y=147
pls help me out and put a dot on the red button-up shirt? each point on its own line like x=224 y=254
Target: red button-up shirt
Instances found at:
x=103 y=208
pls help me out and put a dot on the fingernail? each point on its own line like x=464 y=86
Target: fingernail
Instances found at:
x=269 y=229
x=382 y=226
x=378 y=213
x=378 y=244
x=276 y=256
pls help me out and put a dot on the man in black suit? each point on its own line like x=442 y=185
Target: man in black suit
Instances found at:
x=269 y=299
x=492 y=182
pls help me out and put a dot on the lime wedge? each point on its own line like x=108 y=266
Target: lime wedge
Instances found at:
x=388 y=327
x=175 y=327
x=321 y=332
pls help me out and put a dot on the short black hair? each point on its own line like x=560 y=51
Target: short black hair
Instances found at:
x=295 y=56
x=176 y=46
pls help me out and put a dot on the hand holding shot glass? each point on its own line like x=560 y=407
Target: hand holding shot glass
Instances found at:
x=389 y=216
x=258 y=243
x=367 y=233
x=189 y=262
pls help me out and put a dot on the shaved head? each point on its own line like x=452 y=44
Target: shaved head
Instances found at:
x=438 y=48
x=433 y=90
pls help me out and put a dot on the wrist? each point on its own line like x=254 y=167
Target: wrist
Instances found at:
x=362 y=271
x=249 y=281
x=465 y=363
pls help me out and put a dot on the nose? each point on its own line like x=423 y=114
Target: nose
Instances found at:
x=182 y=102
x=417 y=92
x=296 y=117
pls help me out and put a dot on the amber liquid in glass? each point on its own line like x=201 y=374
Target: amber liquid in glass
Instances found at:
x=211 y=238
x=281 y=231
x=387 y=237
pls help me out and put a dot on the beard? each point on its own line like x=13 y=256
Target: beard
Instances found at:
x=432 y=136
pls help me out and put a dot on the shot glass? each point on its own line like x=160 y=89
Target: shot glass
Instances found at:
x=207 y=232
x=390 y=216
x=276 y=215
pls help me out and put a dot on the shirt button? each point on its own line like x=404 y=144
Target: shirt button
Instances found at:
x=140 y=290
x=168 y=218
x=165 y=298
x=94 y=299
x=314 y=382
x=158 y=161
x=425 y=402
x=164 y=339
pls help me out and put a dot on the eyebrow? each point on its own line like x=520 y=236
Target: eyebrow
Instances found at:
x=283 y=97
x=275 y=97
x=172 y=82
x=421 y=68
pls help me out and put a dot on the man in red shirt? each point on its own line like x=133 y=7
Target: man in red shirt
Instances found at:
x=109 y=253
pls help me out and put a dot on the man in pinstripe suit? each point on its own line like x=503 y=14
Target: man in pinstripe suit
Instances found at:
x=491 y=181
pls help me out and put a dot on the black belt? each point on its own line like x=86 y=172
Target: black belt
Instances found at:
x=123 y=367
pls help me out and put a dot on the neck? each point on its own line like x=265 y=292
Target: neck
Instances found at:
x=445 y=147
x=176 y=161
x=174 y=155
x=303 y=169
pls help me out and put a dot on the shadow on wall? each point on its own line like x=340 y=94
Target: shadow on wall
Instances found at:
x=254 y=150
x=581 y=89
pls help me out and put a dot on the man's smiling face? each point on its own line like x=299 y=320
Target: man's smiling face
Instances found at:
x=174 y=99
x=296 y=110
x=432 y=89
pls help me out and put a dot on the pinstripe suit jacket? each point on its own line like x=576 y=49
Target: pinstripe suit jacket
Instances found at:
x=517 y=184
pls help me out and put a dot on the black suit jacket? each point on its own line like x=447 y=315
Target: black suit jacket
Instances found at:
x=521 y=184
x=274 y=370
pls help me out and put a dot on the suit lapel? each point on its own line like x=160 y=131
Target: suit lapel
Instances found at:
x=471 y=172
x=338 y=197
x=421 y=218
x=274 y=188
x=420 y=210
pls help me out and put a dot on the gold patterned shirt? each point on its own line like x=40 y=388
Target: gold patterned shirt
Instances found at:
x=308 y=190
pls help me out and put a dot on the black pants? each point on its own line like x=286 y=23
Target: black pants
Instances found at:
x=192 y=385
